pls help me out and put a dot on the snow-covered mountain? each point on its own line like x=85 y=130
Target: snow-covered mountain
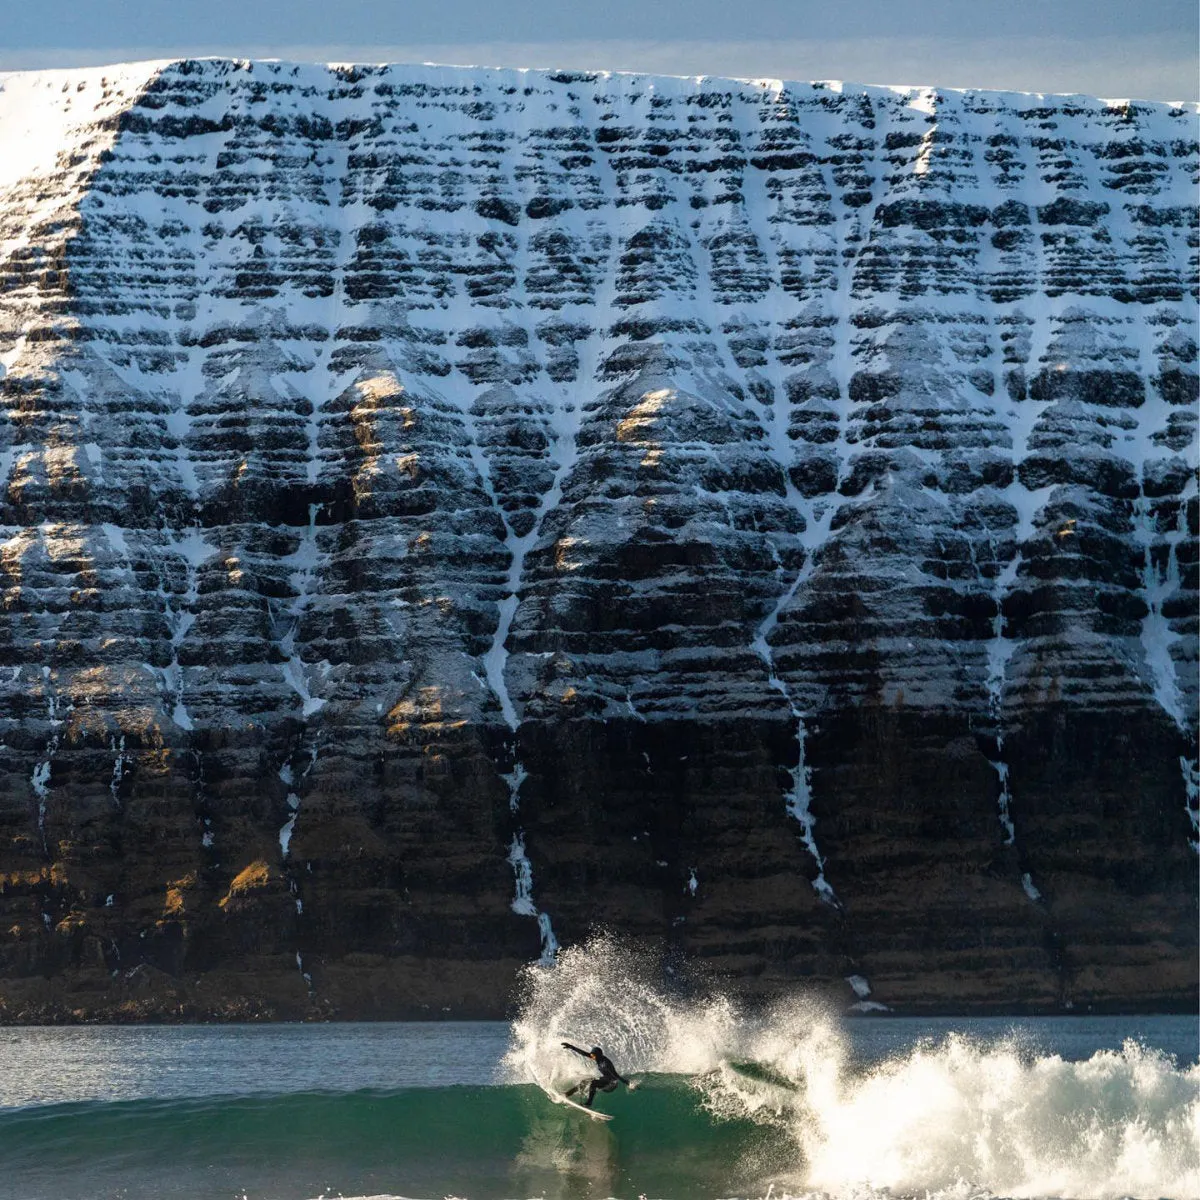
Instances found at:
x=445 y=510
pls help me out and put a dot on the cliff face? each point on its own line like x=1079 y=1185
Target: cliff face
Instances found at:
x=445 y=511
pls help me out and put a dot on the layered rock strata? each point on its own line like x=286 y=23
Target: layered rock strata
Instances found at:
x=448 y=511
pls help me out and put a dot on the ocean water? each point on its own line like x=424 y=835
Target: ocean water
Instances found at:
x=795 y=1101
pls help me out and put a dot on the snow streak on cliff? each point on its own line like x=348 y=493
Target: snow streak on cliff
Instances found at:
x=375 y=440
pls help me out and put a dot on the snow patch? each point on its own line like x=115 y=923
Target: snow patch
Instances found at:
x=43 y=111
x=1190 y=769
x=285 y=832
x=118 y=771
x=1004 y=800
x=859 y=985
x=522 y=902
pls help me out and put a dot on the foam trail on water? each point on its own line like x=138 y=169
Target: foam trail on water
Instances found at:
x=956 y=1117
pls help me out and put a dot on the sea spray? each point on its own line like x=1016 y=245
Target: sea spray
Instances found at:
x=612 y=993
x=955 y=1116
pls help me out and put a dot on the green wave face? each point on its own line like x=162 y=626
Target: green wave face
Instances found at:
x=481 y=1142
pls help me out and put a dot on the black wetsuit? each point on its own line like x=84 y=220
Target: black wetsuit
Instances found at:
x=609 y=1076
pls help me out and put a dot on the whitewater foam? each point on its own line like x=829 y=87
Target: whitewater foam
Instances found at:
x=954 y=1117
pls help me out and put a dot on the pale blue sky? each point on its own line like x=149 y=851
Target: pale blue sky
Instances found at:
x=1140 y=48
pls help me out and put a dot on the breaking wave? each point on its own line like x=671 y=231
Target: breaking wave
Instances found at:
x=733 y=1102
x=956 y=1116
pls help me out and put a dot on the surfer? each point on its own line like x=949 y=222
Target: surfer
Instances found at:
x=609 y=1076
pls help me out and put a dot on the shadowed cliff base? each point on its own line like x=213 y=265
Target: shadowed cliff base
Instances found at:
x=929 y=907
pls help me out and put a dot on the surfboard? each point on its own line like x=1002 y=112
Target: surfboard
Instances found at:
x=558 y=1098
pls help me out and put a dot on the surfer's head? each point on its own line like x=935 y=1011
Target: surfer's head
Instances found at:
x=596 y=1052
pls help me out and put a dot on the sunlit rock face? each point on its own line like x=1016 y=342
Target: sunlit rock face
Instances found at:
x=446 y=511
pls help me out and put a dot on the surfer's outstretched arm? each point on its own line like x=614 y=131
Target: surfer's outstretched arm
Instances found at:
x=581 y=1053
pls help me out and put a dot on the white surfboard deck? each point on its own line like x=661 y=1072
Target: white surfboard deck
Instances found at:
x=558 y=1098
